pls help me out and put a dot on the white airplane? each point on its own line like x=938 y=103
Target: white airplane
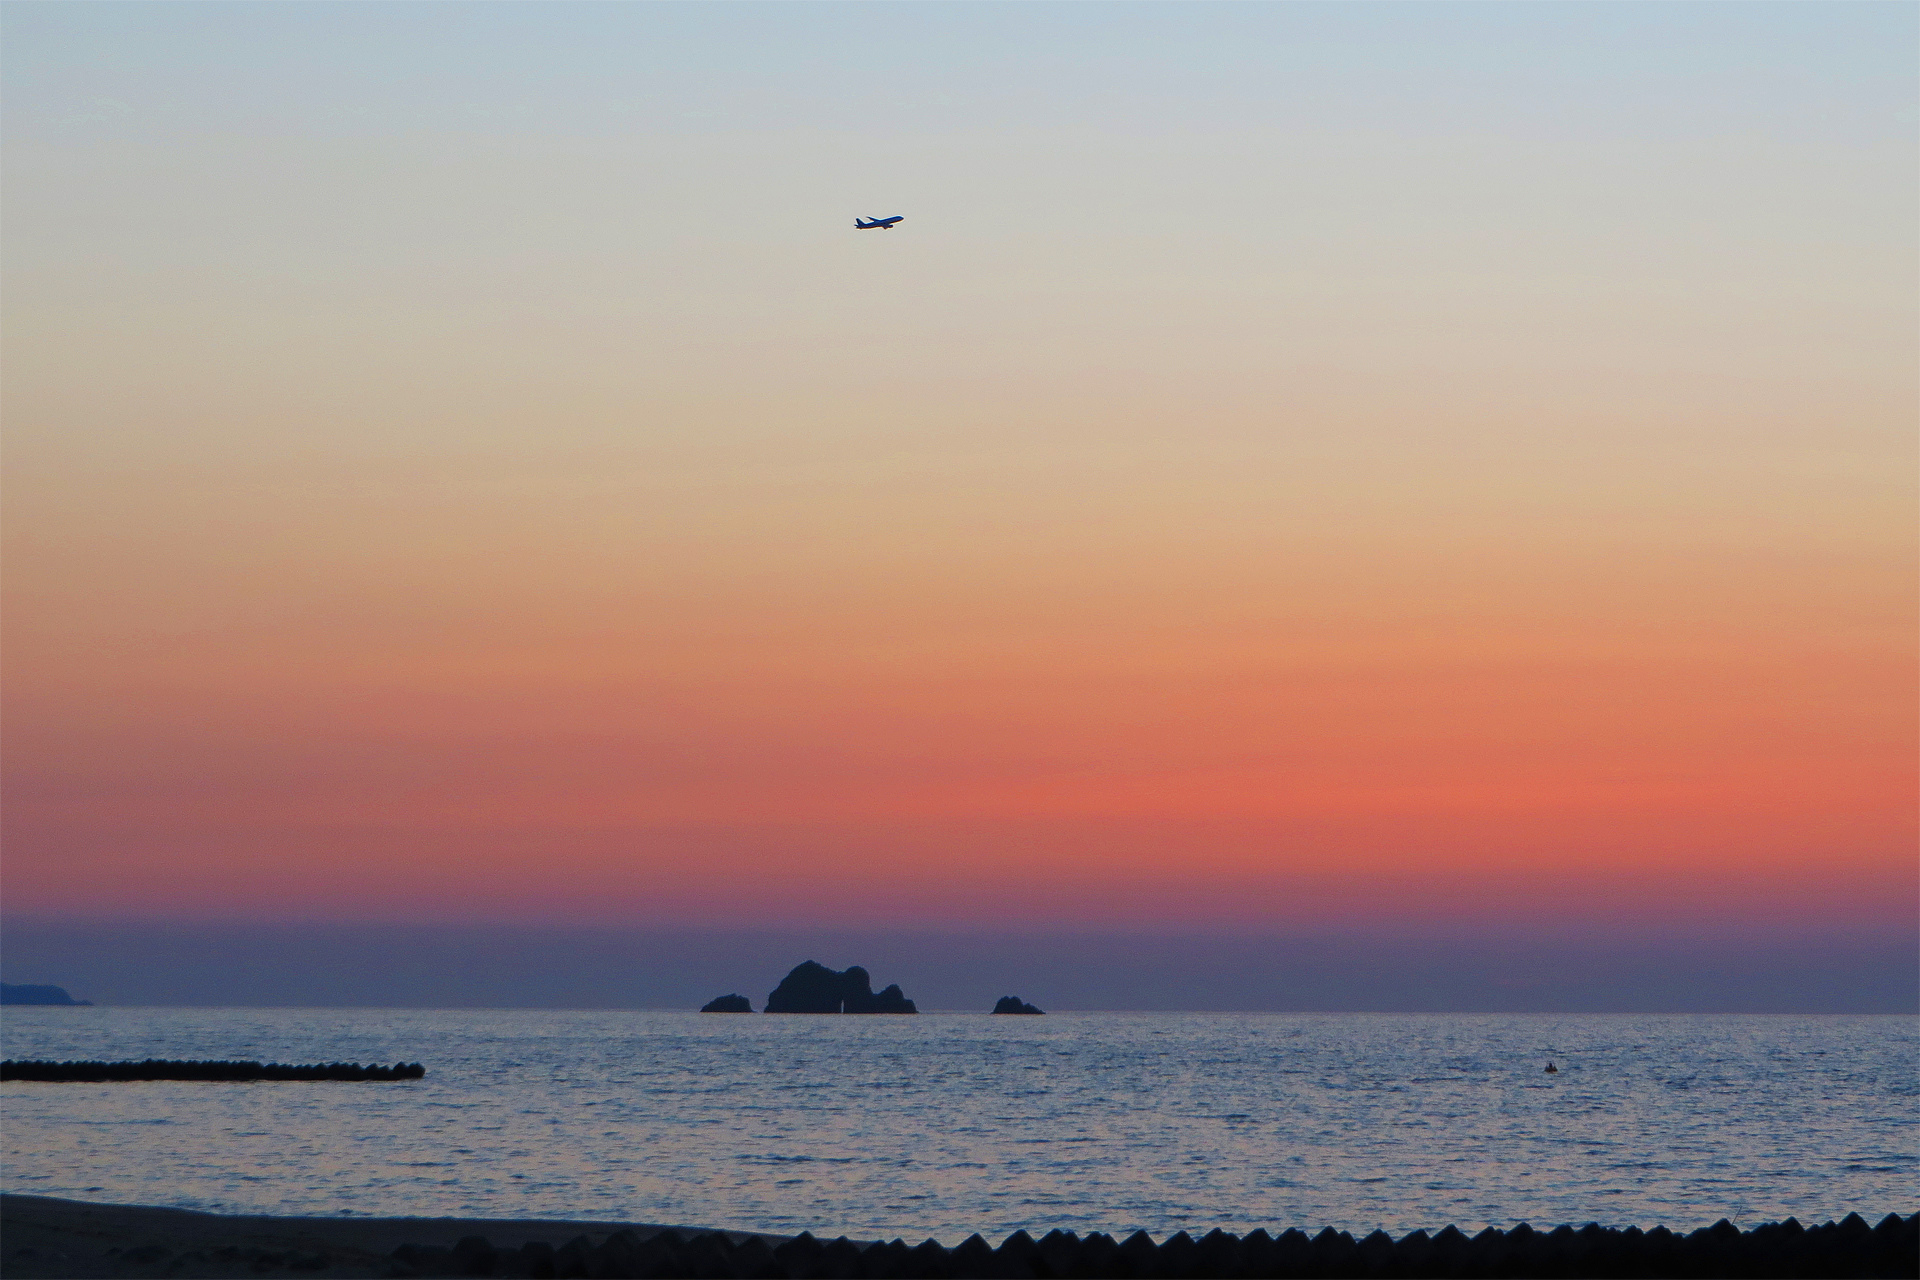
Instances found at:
x=885 y=224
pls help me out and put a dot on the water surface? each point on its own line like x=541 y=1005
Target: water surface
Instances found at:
x=946 y=1124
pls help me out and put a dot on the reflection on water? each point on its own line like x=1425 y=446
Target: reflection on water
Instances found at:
x=944 y=1125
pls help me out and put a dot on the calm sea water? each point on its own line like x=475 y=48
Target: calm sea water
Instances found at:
x=943 y=1125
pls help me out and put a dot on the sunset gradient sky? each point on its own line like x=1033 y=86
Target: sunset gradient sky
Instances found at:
x=1301 y=465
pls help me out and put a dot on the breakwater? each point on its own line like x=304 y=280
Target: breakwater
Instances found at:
x=219 y=1072
x=1846 y=1248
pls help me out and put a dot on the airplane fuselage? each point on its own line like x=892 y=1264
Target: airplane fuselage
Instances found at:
x=883 y=224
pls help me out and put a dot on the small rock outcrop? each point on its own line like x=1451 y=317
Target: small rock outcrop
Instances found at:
x=813 y=988
x=1014 y=1004
x=858 y=997
x=16 y=993
x=728 y=1004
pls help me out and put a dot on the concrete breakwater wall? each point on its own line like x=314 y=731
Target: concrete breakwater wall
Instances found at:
x=1849 y=1247
x=220 y=1072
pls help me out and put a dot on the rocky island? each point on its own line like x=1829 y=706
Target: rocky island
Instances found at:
x=728 y=1004
x=1014 y=1004
x=813 y=988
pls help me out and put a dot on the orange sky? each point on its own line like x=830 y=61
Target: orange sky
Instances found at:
x=1497 y=505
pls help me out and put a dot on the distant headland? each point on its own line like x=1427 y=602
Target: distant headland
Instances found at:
x=1014 y=1004
x=16 y=993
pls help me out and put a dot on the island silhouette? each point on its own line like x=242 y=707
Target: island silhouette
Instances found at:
x=811 y=987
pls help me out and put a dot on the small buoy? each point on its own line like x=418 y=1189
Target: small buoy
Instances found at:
x=1552 y=1070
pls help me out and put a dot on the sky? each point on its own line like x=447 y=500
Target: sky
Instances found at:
x=1416 y=471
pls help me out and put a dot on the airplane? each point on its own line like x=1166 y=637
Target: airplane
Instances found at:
x=885 y=224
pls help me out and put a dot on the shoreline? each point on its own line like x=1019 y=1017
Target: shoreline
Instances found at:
x=55 y=1239
x=71 y=1239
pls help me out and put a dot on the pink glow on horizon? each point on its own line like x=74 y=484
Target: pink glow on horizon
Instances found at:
x=1500 y=505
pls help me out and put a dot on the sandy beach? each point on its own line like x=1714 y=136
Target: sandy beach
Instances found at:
x=58 y=1239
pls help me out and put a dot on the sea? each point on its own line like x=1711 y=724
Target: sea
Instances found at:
x=943 y=1125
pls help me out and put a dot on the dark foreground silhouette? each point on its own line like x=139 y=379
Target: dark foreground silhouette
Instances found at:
x=1846 y=1248
x=814 y=988
x=51 y=1239
x=158 y=1069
